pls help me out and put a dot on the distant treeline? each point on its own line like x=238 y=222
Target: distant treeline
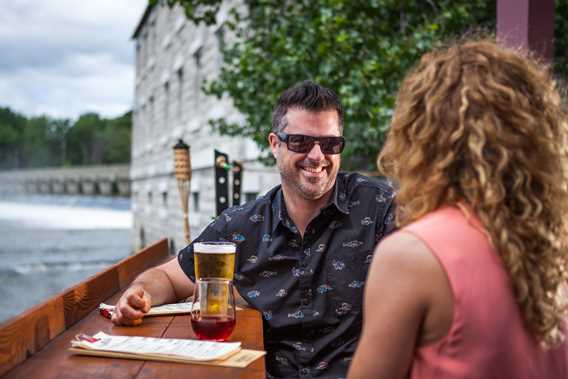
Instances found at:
x=29 y=142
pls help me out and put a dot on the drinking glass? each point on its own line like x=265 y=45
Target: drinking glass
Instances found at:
x=213 y=309
x=214 y=260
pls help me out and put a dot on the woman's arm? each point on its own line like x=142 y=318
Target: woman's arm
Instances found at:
x=398 y=296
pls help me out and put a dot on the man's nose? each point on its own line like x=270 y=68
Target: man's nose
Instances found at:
x=315 y=153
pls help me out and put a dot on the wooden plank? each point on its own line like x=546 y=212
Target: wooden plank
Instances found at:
x=55 y=361
x=28 y=333
x=151 y=256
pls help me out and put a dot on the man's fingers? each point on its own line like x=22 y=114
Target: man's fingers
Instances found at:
x=148 y=302
x=138 y=300
x=119 y=318
x=131 y=313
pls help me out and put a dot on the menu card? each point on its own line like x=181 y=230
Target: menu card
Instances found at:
x=160 y=310
x=165 y=349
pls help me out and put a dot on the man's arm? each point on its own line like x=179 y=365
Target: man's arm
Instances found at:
x=166 y=283
x=162 y=284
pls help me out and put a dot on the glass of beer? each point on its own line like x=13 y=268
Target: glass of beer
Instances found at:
x=214 y=260
x=213 y=309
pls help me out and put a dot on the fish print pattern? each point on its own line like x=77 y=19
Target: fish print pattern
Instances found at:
x=352 y=244
x=305 y=286
x=256 y=218
x=356 y=284
x=254 y=293
x=267 y=274
x=367 y=221
x=324 y=288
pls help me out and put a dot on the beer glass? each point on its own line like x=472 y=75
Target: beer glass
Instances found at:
x=213 y=309
x=214 y=260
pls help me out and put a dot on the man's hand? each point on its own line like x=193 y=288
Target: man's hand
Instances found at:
x=132 y=306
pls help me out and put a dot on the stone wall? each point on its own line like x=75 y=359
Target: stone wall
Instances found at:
x=174 y=57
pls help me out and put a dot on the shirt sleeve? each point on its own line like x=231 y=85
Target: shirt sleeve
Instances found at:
x=216 y=231
x=390 y=219
x=387 y=219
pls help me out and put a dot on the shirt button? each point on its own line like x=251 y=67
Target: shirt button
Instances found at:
x=305 y=371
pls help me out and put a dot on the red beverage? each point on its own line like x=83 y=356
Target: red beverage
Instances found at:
x=212 y=328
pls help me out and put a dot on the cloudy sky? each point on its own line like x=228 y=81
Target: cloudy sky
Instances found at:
x=66 y=57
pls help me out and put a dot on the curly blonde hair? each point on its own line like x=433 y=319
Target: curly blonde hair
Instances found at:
x=484 y=126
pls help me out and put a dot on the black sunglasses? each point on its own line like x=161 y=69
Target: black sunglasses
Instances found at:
x=300 y=143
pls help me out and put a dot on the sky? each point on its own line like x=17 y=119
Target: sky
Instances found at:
x=63 y=58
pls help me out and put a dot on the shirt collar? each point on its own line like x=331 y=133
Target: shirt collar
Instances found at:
x=277 y=208
x=339 y=199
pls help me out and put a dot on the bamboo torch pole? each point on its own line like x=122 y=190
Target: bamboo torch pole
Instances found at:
x=182 y=162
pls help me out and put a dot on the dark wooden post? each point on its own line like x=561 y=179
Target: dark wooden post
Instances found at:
x=528 y=24
x=222 y=168
x=237 y=182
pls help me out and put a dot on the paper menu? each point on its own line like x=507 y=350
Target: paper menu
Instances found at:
x=185 y=349
x=166 y=309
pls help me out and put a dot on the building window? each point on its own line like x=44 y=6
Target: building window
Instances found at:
x=180 y=95
x=165 y=198
x=151 y=117
x=166 y=104
x=153 y=39
x=197 y=57
x=195 y=201
x=149 y=197
x=197 y=79
x=220 y=36
x=138 y=59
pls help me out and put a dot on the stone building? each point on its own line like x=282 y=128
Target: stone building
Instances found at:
x=173 y=58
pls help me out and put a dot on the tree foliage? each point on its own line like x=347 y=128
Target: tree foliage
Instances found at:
x=360 y=48
x=48 y=142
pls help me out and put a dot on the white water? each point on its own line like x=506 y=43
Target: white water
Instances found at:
x=50 y=243
x=64 y=217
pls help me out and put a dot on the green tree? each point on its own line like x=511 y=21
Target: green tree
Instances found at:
x=34 y=146
x=11 y=136
x=49 y=142
x=85 y=140
x=360 y=48
x=117 y=139
x=561 y=40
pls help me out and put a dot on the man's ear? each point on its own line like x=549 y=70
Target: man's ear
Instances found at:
x=273 y=142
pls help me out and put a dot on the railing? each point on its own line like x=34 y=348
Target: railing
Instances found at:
x=88 y=180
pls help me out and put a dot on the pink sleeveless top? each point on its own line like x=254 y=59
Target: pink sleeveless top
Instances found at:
x=487 y=338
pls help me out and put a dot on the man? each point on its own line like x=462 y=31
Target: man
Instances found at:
x=303 y=248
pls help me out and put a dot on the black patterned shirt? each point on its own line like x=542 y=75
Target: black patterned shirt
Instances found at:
x=310 y=289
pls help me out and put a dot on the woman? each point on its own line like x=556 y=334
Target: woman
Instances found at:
x=470 y=286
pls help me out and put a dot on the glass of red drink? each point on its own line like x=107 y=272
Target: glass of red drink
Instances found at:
x=213 y=309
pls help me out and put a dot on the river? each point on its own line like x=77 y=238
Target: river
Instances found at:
x=49 y=243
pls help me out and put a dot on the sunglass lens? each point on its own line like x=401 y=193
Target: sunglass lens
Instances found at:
x=331 y=145
x=300 y=144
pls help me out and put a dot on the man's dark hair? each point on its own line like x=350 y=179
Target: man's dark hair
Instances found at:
x=308 y=96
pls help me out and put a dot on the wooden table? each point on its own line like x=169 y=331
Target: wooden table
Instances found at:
x=53 y=360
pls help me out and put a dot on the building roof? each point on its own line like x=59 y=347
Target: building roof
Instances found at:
x=142 y=21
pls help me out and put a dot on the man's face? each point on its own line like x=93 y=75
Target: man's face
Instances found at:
x=310 y=175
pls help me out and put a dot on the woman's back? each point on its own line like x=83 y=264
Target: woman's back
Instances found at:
x=487 y=338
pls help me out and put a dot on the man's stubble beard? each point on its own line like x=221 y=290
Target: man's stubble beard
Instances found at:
x=293 y=178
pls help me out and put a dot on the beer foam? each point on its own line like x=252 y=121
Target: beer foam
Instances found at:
x=214 y=247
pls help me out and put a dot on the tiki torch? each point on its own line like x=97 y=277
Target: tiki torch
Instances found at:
x=182 y=162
